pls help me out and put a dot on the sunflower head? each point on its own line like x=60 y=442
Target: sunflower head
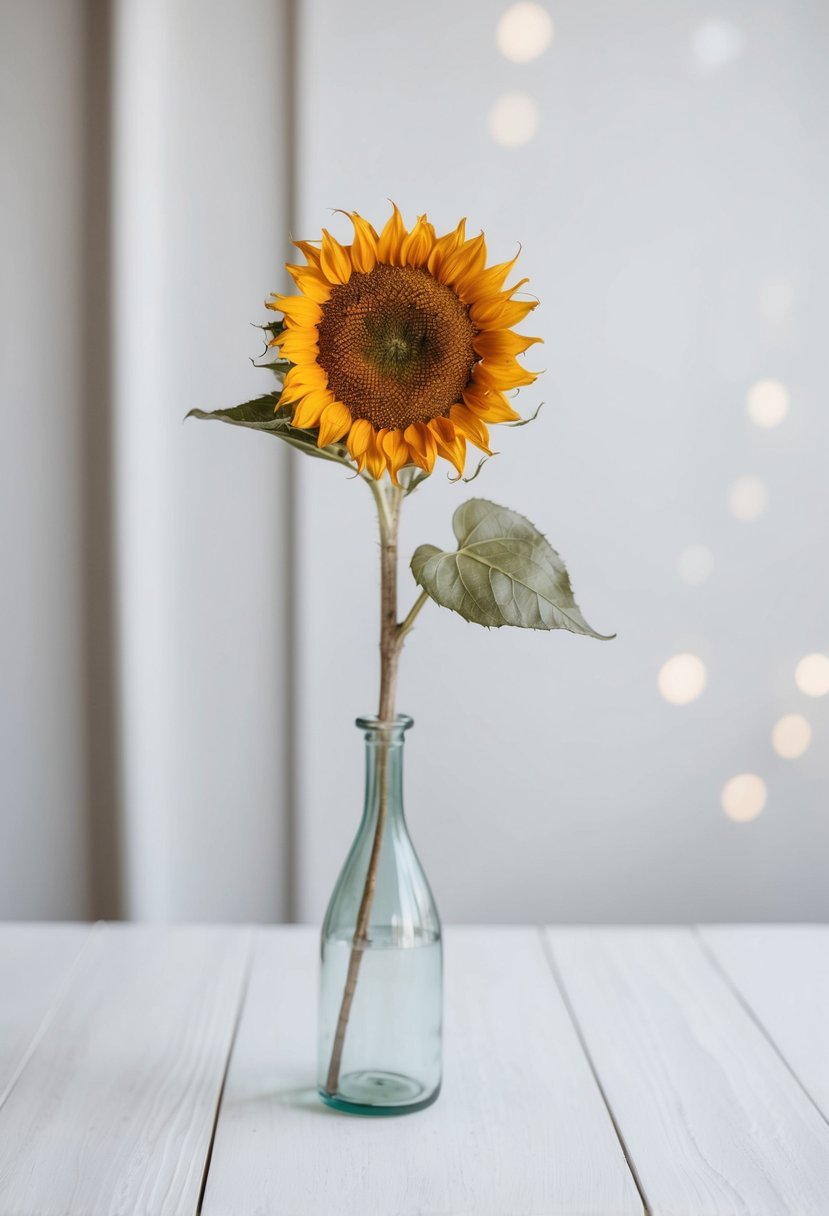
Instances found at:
x=401 y=344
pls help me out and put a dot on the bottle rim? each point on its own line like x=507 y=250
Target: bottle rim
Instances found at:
x=374 y=725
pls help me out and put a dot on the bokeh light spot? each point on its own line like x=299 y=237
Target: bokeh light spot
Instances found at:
x=695 y=564
x=524 y=32
x=743 y=797
x=682 y=678
x=812 y=675
x=715 y=44
x=748 y=498
x=791 y=736
x=767 y=403
x=513 y=120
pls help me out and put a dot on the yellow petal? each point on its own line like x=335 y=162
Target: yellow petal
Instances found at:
x=465 y=264
x=502 y=374
x=500 y=312
x=391 y=239
x=451 y=445
x=297 y=335
x=397 y=453
x=500 y=343
x=335 y=422
x=291 y=393
x=303 y=354
x=443 y=429
x=422 y=445
x=375 y=456
x=468 y=424
x=301 y=341
x=489 y=405
x=492 y=279
x=445 y=246
x=465 y=283
x=292 y=387
x=310 y=283
x=475 y=395
x=310 y=250
x=418 y=244
x=335 y=262
x=364 y=249
x=359 y=437
x=299 y=309
x=309 y=410
x=305 y=378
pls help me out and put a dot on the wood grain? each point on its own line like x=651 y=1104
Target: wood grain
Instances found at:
x=713 y=1121
x=520 y=1128
x=114 y=1112
x=36 y=962
x=782 y=973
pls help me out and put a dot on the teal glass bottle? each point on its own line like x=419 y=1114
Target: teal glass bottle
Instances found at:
x=381 y=972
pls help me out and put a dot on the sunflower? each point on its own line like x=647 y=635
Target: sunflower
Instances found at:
x=401 y=344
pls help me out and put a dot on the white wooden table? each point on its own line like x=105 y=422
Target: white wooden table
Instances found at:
x=163 y=1072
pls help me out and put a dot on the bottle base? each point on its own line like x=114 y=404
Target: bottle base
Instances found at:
x=374 y=1092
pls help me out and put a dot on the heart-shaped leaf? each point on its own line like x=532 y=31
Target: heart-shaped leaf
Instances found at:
x=264 y=414
x=504 y=572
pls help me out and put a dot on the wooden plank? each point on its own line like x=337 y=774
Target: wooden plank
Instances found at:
x=520 y=1127
x=782 y=973
x=713 y=1121
x=114 y=1112
x=36 y=962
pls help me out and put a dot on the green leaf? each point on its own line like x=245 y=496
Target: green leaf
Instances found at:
x=526 y=421
x=410 y=478
x=481 y=463
x=279 y=367
x=504 y=572
x=264 y=414
x=274 y=328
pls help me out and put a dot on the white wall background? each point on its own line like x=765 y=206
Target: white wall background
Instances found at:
x=44 y=868
x=144 y=719
x=670 y=205
x=670 y=208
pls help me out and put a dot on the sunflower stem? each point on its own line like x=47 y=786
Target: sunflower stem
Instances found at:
x=405 y=625
x=388 y=500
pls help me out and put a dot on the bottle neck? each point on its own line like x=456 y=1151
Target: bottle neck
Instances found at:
x=384 y=767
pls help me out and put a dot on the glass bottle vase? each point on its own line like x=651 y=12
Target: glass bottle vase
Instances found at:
x=380 y=996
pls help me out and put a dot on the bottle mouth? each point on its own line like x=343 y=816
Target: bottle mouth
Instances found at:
x=394 y=727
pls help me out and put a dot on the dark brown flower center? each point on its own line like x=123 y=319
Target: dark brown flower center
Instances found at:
x=397 y=346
